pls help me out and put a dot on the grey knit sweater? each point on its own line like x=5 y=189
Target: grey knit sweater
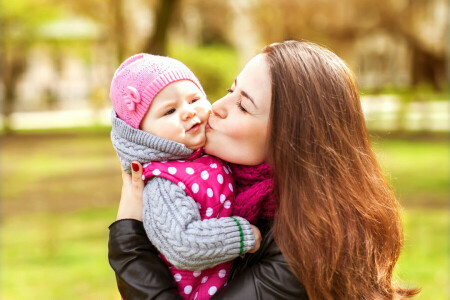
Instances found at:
x=170 y=217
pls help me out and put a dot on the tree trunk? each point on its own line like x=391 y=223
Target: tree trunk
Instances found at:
x=157 y=43
x=13 y=66
x=428 y=67
x=119 y=29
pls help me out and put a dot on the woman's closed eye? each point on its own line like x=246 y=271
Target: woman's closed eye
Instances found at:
x=239 y=102
x=239 y=105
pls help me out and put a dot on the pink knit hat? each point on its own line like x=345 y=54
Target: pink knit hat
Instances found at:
x=139 y=79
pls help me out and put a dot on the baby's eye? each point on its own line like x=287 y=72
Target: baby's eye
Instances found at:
x=230 y=90
x=170 y=111
x=194 y=100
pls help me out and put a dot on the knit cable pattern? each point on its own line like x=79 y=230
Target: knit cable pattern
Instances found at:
x=137 y=145
x=172 y=222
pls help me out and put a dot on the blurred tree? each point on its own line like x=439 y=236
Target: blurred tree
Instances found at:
x=339 y=24
x=405 y=20
x=12 y=65
x=119 y=29
x=157 y=42
x=19 y=25
x=214 y=16
x=108 y=13
x=429 y=60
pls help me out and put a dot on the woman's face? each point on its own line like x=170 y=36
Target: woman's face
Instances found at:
x=238 y=126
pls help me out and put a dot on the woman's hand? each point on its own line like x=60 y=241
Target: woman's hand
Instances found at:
x=131 y=206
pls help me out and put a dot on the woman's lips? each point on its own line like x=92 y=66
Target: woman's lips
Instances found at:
x=208 y=126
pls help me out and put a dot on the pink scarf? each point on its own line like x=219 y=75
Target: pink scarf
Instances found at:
x=254 y=196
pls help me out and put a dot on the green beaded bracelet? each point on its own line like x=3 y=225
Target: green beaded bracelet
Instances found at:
x=241 y=249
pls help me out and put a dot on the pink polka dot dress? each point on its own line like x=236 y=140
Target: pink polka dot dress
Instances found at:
x=208 y=180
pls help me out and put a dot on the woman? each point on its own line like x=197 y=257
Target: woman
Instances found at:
x=337 y=224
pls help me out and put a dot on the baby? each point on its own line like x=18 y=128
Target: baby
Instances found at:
x=159 y=118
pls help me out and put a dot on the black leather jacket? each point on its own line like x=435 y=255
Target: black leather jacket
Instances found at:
x=141 y=274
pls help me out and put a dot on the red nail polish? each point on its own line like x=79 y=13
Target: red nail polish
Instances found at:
x=135 y=167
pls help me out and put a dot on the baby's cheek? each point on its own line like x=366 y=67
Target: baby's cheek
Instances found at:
x=204 y=107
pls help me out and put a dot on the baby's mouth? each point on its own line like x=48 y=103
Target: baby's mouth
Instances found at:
x=194 y=128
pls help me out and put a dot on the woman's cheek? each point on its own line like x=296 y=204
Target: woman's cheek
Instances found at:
x=240 y=130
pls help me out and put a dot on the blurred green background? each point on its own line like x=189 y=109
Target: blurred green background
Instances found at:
x=60 y=178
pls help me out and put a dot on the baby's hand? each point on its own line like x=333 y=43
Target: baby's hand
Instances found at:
x=258 y=238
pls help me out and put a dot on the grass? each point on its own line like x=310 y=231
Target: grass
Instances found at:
x=418 y=170
x=424 y=261
x=64 y=256
x=60 y=192
x=57 y=256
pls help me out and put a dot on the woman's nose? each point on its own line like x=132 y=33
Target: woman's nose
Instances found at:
x=219 y=108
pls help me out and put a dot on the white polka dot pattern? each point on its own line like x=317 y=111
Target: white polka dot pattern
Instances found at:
x=187 y=289
x=212 y=290
x=205 y=175
x=196 y=273
x=209 y=212
x=195 y=188
x=211 y=185
x=222 y=273
x=227 y=204
x=220 y=178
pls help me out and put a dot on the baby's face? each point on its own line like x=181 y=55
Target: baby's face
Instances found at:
x=179 y=113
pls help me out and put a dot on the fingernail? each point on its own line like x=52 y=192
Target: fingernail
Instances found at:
x=135 y=167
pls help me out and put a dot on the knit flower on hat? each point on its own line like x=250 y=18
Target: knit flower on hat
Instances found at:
x=131 y=98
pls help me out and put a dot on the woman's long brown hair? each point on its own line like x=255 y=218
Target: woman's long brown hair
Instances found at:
x=338 y=222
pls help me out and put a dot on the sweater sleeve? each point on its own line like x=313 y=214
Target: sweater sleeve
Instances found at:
x=172 y=221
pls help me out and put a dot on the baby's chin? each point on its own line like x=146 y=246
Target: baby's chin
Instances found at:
x=198 y=145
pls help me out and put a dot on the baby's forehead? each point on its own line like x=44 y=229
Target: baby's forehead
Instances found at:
x=181 y=88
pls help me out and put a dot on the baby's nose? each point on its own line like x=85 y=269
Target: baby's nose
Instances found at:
x=189 y=113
